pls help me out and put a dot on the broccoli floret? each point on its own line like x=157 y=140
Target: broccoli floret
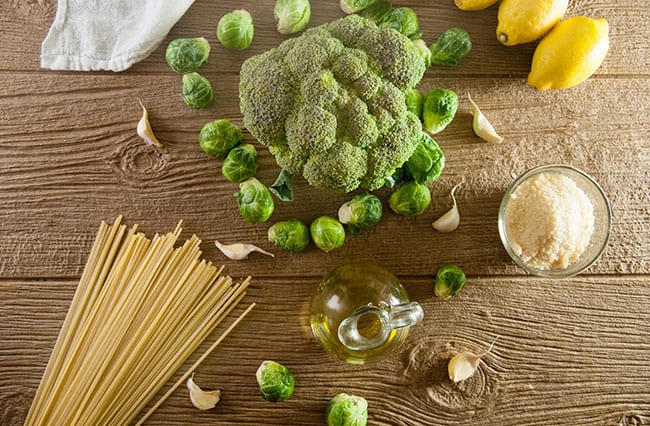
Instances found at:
x=368 y=85
x=277 y=94
x=320 y=88
x=311 y=131
x=350 y=65
x=287 y=159
x=392 y=151
x=358 y=124
x=340 y=169
x=330 y=104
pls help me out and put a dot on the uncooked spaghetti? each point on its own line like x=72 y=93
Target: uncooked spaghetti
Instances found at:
x=141 y=308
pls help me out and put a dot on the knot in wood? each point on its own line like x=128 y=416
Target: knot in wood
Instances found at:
x=138 y=163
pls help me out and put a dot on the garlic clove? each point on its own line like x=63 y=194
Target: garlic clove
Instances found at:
x=463 y=366
x=449 y=221
x=144 y=129
x=203 y=400
x=482 y=127
x=239 y=251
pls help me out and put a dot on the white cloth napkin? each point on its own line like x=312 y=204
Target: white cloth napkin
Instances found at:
x=110 y=35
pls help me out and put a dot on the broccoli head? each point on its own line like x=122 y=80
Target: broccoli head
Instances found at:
x=330 y=104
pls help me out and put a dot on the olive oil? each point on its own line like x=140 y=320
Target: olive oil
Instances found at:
x=360 y=313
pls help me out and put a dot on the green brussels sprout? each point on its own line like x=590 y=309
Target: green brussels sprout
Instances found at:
x=439 y=109
x=394 y=179
x=352 y=6
x=347 y=410
x=197 y=91
x=283 y=186
x=427 y=161
x=363 y=211
x=414 y=101
x=275 y=381
x=291 y=16
x=404 y=20
x=450 y=280
x=410 y=199
x=292 y=235
x=424 y=50
x=240 y=163
x=218 y=137
x=450 y=47
x=235 y=29
x=185 y=55
x=254 y=201
x=377 y=11
x=328 y=233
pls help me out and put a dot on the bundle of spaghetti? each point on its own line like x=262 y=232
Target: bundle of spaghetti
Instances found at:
x=140 y=310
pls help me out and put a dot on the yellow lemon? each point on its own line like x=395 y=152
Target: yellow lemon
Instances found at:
x=570 y=53
x=523 y=21
x=474 y=4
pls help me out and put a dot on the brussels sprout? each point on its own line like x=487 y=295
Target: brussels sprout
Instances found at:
x=292 y=235
x=218 y=137
x=397 y=177
x=235 y=29
x=291 y=16
x=363 y=211
x=427 y=161
x=424 y=50
x=240 y=163
x=275 y=381
x=254 y=201
x=186 y=55
x=282 y=187
x=450 y=47
x=377 y=11
x=450 y=280
x=328 y=233
x=439 y=109
x=347 y=410
x=352 y=6
x=197 y=91
x=414 y=101
x=410 y=199
x=404 y=20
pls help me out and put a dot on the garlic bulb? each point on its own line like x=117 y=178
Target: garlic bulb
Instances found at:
x=482 y=127
x=203 y=400
x=463 y=365
x=239 y=251
x=449 y=221
x=144 y=129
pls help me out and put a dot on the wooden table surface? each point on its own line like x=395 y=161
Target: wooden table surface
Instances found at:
x=571 y=351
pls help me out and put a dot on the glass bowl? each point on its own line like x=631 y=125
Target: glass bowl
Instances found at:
x=602 y=212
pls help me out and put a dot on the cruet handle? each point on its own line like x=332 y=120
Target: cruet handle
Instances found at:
x=370 y=326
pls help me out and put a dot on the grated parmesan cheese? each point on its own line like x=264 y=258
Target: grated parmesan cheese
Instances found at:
x=549 y=221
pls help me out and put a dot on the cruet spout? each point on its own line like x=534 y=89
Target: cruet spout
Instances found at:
x=370 y=326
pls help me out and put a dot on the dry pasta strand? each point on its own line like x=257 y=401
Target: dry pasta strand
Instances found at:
x=141 y=308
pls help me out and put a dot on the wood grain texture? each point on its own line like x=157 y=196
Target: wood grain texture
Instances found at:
x=567 y=352
x=79 y=161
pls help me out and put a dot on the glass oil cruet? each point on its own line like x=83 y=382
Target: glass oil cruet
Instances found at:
x=361 y=313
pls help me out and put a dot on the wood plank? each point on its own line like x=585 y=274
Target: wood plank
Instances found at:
x=25 y=25
x=568 y=352
x=78 y=161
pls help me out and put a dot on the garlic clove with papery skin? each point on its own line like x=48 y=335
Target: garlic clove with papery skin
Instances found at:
x=239 y=251
x=482 y=127
x=203 y=400
x=144 y=129
x=449 y=221
x=463 y=365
